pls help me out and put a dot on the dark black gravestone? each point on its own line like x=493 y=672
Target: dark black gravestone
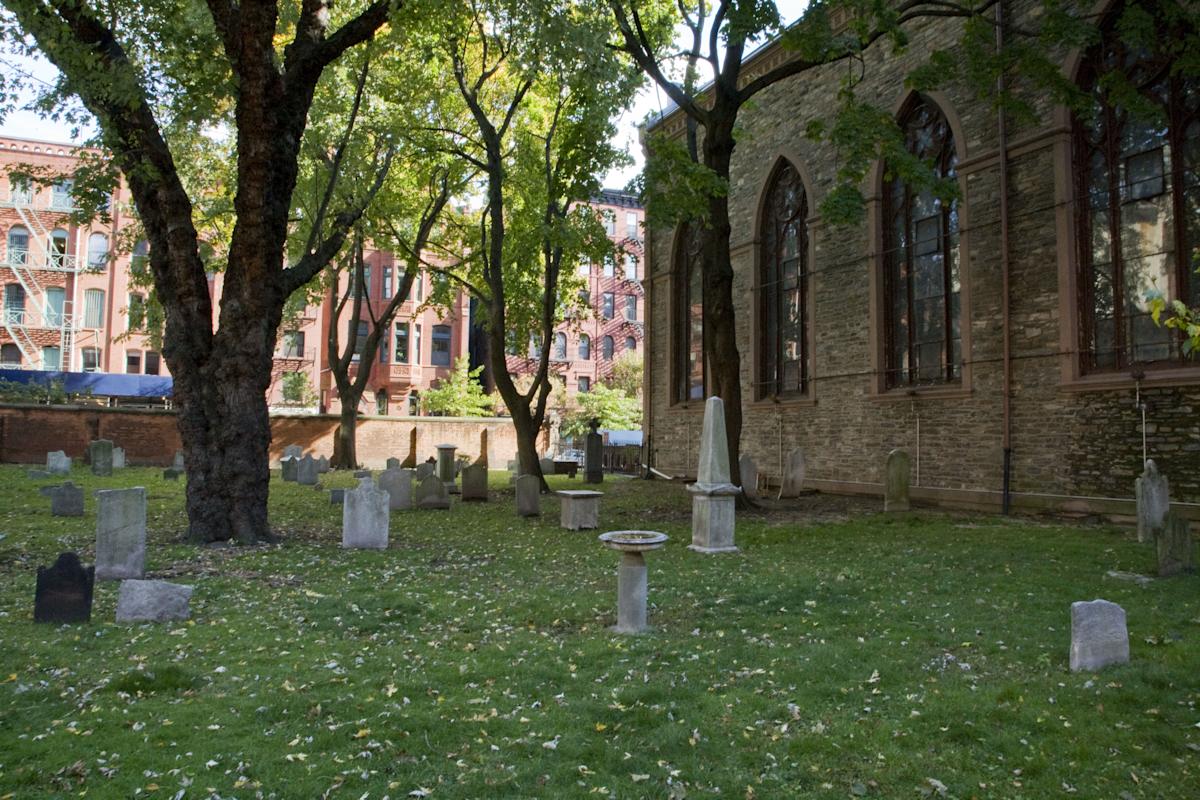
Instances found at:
x=593 y=455
x=64 y=591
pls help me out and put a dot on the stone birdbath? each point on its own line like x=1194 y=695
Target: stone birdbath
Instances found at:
x=631 y=575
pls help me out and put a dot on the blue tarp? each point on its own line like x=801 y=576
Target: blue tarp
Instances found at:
x=98 y=384
x=625 y=438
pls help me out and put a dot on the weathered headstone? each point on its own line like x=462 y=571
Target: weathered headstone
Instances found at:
x=337 y=497
x=1099 y=636
x=424 y=470
x=392 y=463
x=37 y=474
x=171 y=474
x=1152 y=492
x=593 y=454
x=1176 y=550
x=431 y=493
x=291 y=468
x=410 y=460
x=398 y=483
x=483 y=449
x=895 y=492
x=446 y=469
x=749 y=473
x=365 y=517
x=58 y=463
x=118 y=458
x=322 y=465
x=64 y=591
x=529 y=496
x=547 y=465
x=153 y=601
x=120 y=534
x=65 y=500
x=362 y=473
x=306 y=471
x=177 y=464
x=100 y=453
x=293 y=451
x=580 y=509
x=792 y=484
x=712 y=493
x=475 y=483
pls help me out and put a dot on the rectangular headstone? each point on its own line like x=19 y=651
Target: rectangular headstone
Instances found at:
x=475 y=483
x=424 y=470
x=37 y=474
x=120 y=534
x=593 y=458
x=897 y=474
x=1099 y=636
x=153 y=601
x=118 y=458
x=547 y=465
x=529 y=496
x=171 y=474
x=365 y=517
x=64 y=591
x=337 y=497
x=65 y=500
x=398 y=483
x=393 y=463
x=322 y=465
x=1152 y=493
x=306 y=471
x=1174 y=545
x=291 y=468
x=177 y=463
x=58 y=463
x=100 y=453
x=293 y=451
x=432 y=494
x=749 y=472
x=793 y=474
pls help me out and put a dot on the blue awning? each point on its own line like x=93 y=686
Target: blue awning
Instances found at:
x=97 y=384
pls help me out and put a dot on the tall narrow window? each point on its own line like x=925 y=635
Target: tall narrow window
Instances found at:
x=17 y=251
x=631 y=307
x=584 y=383
x=293 y=344
x=51 y=358
x=610 y=266
x=137 y=312
x=608 y=303
x=1137 y=190
x=401 y=342
x=920 y=278
x=560 y=346
x=58 y=248
x=91 y=359
x=20 y=191
x=93 y=308
x=97 y=251
x=384 y=344
x=630 y=343
x=152 y=362
x=55 y=299
x=606 y=347
x=139 y=259
x=688 y=345
x=14 y=303
x=10 y=355
x=441 y=346
x=631 y=225
x=783 y=288
x=630 y=267
x=387 y=281
x=60 y=195
x=585 y=347
x=133 y=362
x=359 y=334
x=416 y=356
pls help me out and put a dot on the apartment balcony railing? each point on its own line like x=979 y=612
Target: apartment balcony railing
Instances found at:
x=59 y=204
x=18 y=258
x=35 y=318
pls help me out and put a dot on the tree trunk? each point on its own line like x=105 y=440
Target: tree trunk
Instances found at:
x=345 y=451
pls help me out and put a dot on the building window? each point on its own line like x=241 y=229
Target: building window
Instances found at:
x=58 y=248
x=585 y=266
x=441 y=346
x=139 y=259
x=610 y=267
x=585 y=383
x=585 y=347
x=14 y=304
x=783 y=289
x=55 y=297
x=1138 y=197
x=631 y=307
x=419 y=283
x=10 y=355
x=606 y=347
x=921 y=285
x=383 y=349
x=414 y=405
x=51 y=358
x=630 y=267
x=91 y=359
x=560 y=346
x=608 y=305
x=97 y=252
x=631 y=225
x=416 y=343
x=387 y=280
x=364 y=290
x=381 y=402
x=20 y=191
x=93 y=308
x=630 y=343
x=688 y=380
x=137 y=312
x=293 y=344
x=152 y=362
x=610 y=222
x=401 y=342
x=60 y=195
x=133 y=362
x=18 y=245
x=359 y=334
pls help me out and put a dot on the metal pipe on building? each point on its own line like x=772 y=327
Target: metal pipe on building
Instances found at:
x=1005 y=323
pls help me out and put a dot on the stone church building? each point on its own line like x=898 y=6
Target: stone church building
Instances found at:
x=907 y=331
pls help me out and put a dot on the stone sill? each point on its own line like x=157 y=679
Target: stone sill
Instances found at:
x=923 y=393
x=798 y=401
x=1118 y=381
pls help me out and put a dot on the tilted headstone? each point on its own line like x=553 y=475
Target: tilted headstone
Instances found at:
x=483 y=449
x=432 y=494
x=793 y=474
x=712 y=493
x=424 y=470
x=293 y=451
x=1152 y=492
x=58 y=463
x=322 y=465
x=446 y=468
x=365 y=517
x=593 y=454
x=475 y=483
x=393 y=463
x=118 y=460
x=306 y=471
x=65 y=500
x=895 y=491
x=291 y=468
x=398 y=483
x=529 y=496
x=153 y=601
x=1176 y=550
x=120 y=534
x=749 y=473
x=64 y=591
x=177 y=464
x=410 y=460
x=1098 y=635
x=100 y=453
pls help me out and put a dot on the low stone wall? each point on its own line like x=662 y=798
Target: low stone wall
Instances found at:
x=28 y=432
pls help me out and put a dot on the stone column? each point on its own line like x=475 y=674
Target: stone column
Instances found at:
x=712 y=493
x=631 y=593
x=445 y=467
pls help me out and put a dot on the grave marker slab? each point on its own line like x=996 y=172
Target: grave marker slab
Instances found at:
x=177 y=464
x=1152 y=492
x=365 y=517
x=898 y=473
x=64 y=591
x=291 y=468
x=475 y=483
x=306 y=471
x=749 y=473
x=153 y=601
x=120 y=533
x=37 y=474
x=118 y=458
x=424 y=470
x=171 y=474
x=58 y=463
x=322 y=465
x=1175 y=548
x=529 y=496
x=337 y=497
x=446 y=469
x=392 y=463
x=398 y=483
x=293 y=451
x=65 y=500
x=1099 y=636
x=793 y=474
x=593 y=454
x=100 y=453
x=432 y=494
x=362 y=473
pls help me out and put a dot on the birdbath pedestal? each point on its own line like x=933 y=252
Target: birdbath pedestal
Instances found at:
x=631 y=575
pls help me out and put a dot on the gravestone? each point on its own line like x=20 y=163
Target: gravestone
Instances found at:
x=177 y=464
x=291 y=468
x=118 y=458
x=895 y=492
x=446 y=468
x=547 y=465
x=529 y=496
x=1098 y=635
x=292 y=451
x=362 y=473
x=337 y=497
x=100 y=453
x=398 y=483
x=365 y=517
x=58 y=463
x=64 y=591
x=410 y=460
x=392 y=463
x=475 y=483
x=120 y=533
x=593 y=454
x=1153 y=501
x=171 y=474
x=65 y=500
x=749 y=473
x=580 y=509
x=432 y=494
x=37 y=474
x=1176 y=550
x=483 y=449
x=793 y=474
x=424 y=470
x=306 y=471
x=712 y=493
x=322 y=465
x=153 y=601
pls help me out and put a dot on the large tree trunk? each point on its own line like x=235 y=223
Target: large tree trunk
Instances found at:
x=345 y=451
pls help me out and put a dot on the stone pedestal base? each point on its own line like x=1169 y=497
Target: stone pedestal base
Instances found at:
x=712 y=523
x=631 y=594
x=580 y=510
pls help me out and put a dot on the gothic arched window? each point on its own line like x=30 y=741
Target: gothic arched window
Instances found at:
x=689 y=318
x=783 y=290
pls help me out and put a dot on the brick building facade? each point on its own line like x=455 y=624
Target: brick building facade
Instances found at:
x=847 y=351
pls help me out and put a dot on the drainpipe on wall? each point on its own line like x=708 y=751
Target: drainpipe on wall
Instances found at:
x=648 y=315
x=1006 y=399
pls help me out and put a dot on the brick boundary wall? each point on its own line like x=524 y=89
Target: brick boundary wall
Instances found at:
x=150 y=437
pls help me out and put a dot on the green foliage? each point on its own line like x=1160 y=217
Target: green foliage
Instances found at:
x=615 y=409
x=296 y=390
x=36 y=391
x=627 y=373
x=460 y=394
x=1176 y=315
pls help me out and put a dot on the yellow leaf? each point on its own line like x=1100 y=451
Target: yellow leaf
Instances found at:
x=600 y=726
x=362 y=733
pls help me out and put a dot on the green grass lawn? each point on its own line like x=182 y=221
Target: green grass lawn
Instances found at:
x=837 y=655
